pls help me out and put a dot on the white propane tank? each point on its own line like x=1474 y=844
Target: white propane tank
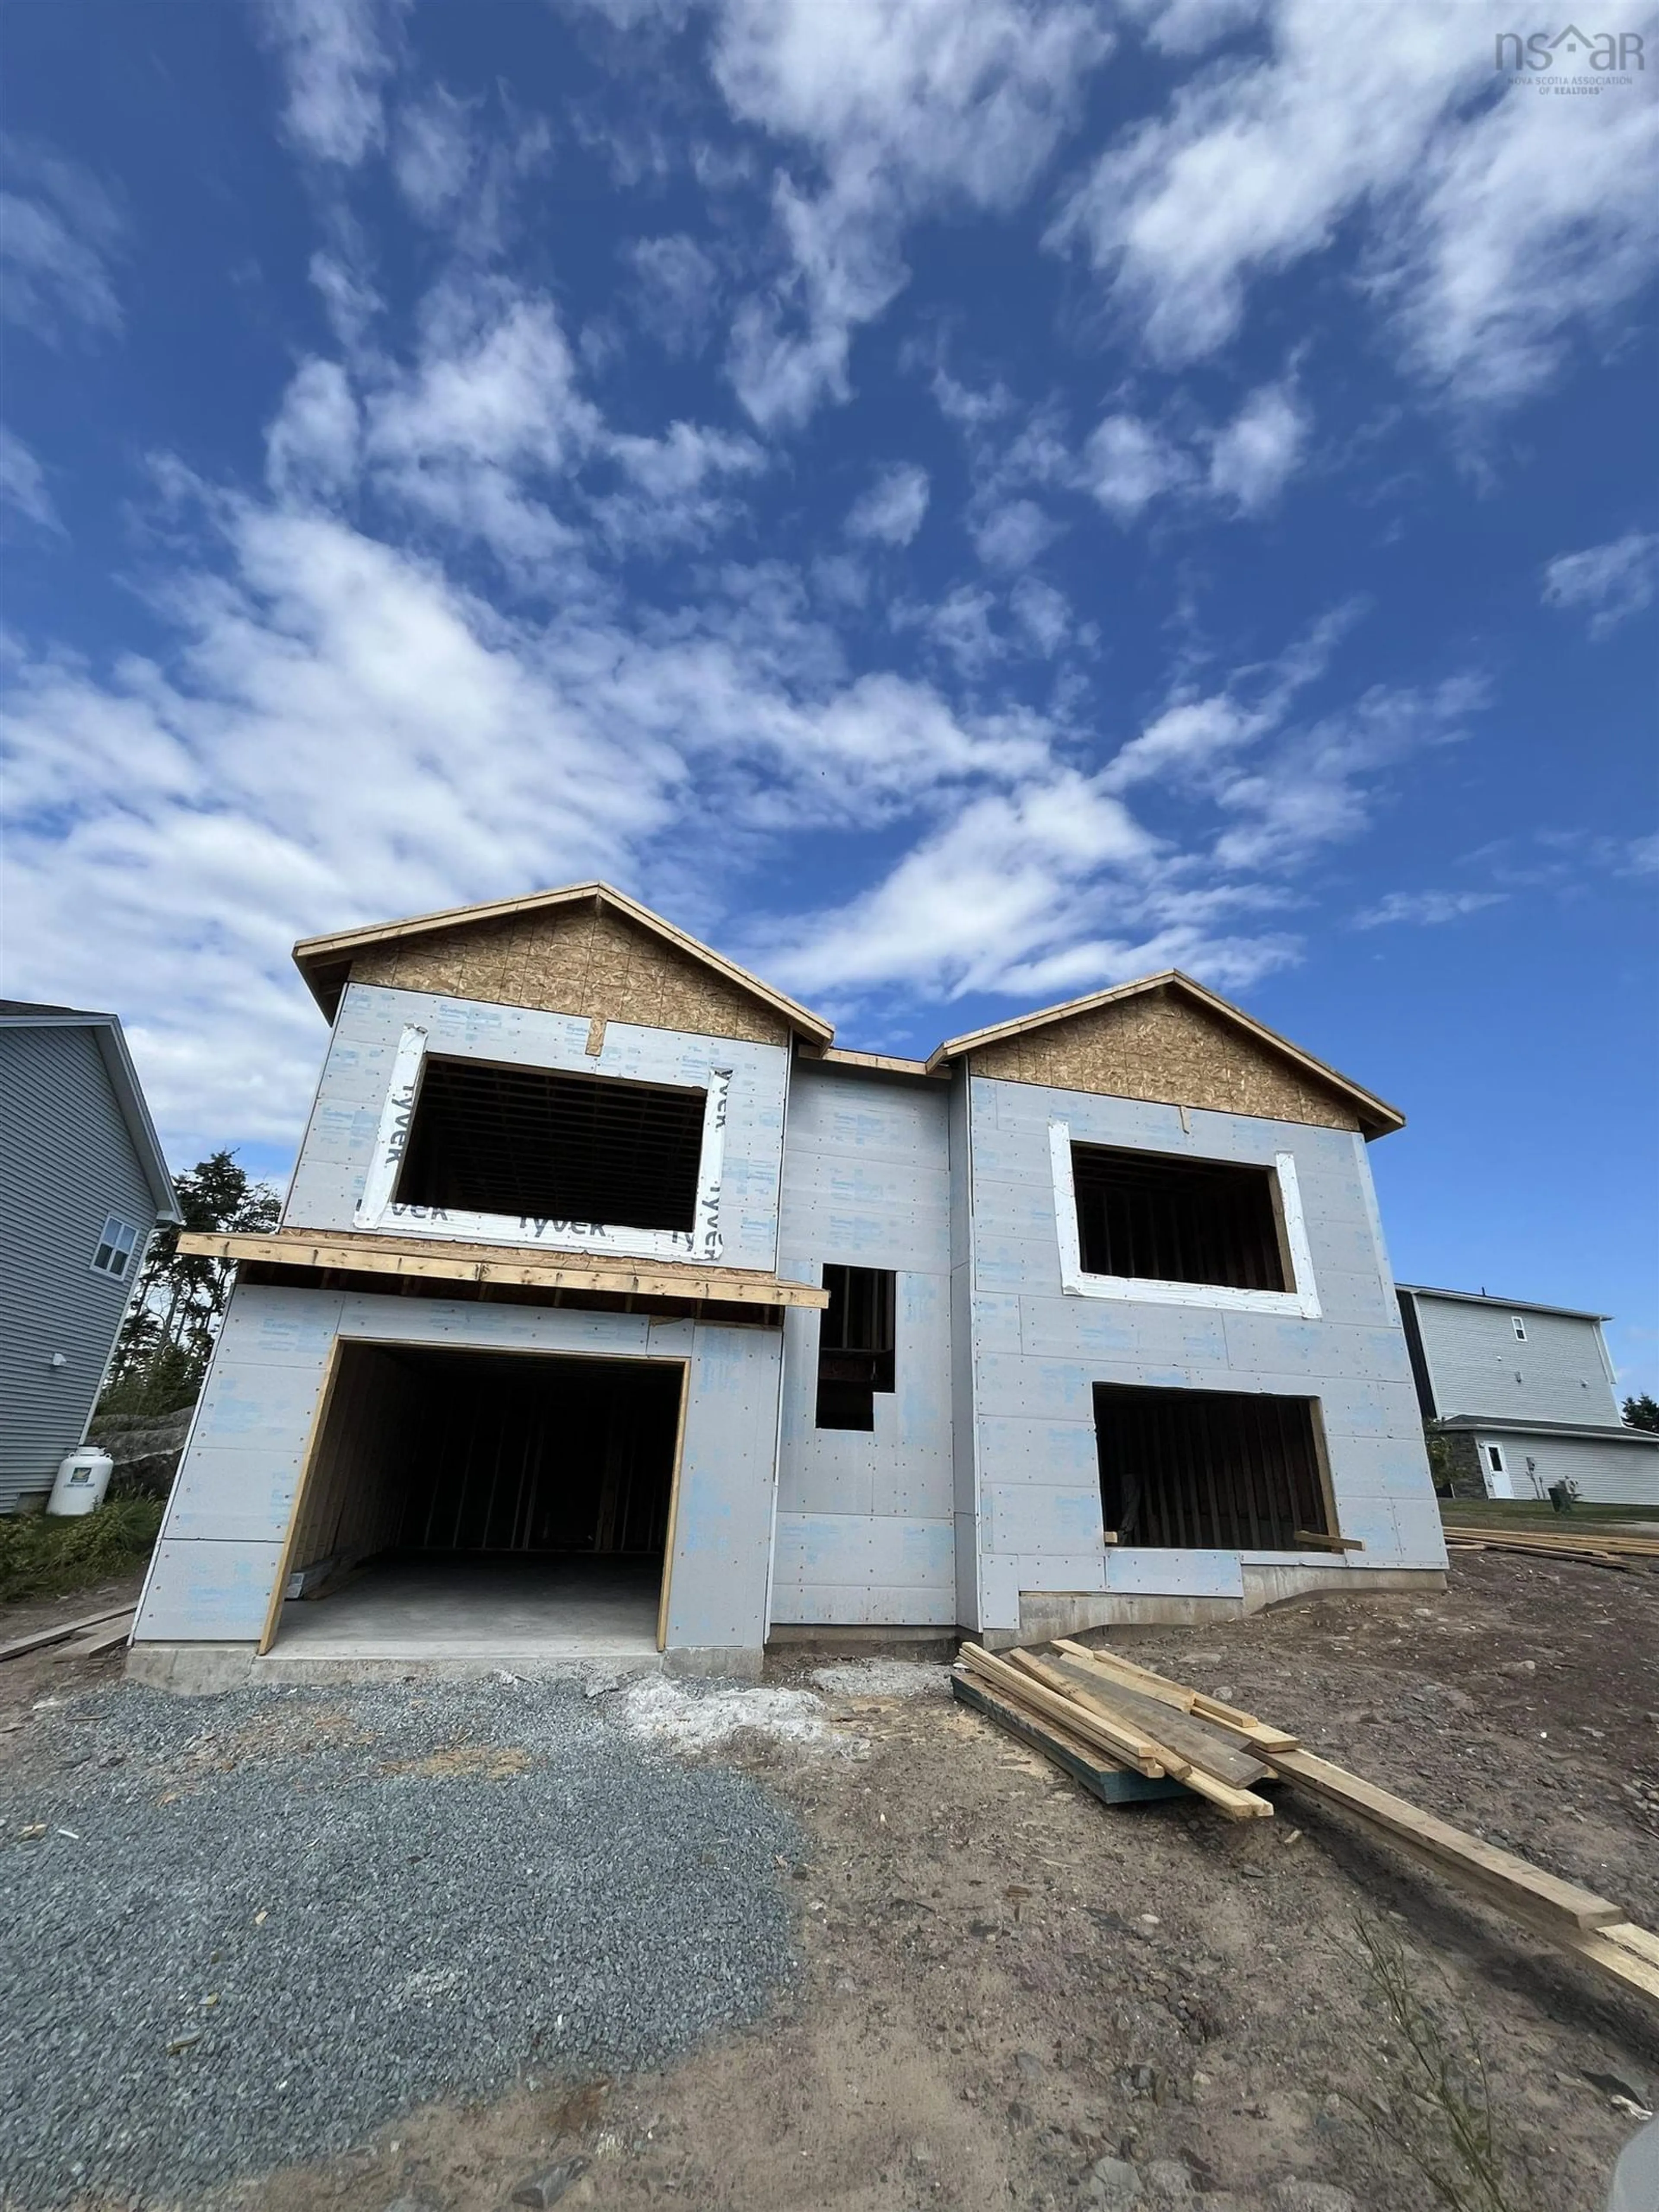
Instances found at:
x=83 y=1479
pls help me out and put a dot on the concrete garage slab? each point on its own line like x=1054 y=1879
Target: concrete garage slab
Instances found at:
x=444 y=1614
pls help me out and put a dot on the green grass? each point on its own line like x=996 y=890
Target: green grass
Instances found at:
x=42 y=1555
x=1536 y=1513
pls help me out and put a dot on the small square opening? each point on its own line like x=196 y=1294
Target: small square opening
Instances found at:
x=855 y=1346
x=1164 y=1220
x=548 y=1146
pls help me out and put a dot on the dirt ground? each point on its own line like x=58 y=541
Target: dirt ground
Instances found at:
x=1005 y=1982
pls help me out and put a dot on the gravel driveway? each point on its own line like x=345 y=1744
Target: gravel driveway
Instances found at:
x=246 y=1929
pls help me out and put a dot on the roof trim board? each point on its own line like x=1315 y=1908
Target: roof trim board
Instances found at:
x=1376 y=1113
x=881 y=1063
x=1505 y=1425
x=110 y=1040
x=355 y=1252
x=324 y=961
x=1502 y=1305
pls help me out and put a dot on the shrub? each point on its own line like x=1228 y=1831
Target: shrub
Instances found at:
x=43 y=1555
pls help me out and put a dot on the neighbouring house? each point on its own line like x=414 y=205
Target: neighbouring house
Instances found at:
x=82 y=1183
x=615 y=1310
x=1524 y=1395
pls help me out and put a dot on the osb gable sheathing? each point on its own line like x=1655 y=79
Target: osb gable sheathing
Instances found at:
x=1169 y=1050
x=578 y=960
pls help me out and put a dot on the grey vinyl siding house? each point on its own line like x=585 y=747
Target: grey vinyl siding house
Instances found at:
x=1525 y=1395
x=611 y=1292
x=82 y=1184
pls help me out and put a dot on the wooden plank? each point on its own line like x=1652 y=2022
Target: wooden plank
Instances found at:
x=96 y=1640
x=1113 y=1741
x=1580 y=1555
x=1564 y=1902
x=1619 y=1959
x=1201 y=1741
x=39 y=1639
x=1113 y=1785
x=1593 y=1538
x=1237 y=1804
x=434 y=1259
x=886 y=1063
x=1259 y=1734
x=1306 y=1536
x=1627 y=1954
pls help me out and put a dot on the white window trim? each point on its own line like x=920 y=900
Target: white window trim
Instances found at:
x=377 y=1210
x=104 y=1242
x=1302 y=1302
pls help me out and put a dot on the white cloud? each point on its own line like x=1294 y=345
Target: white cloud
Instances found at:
x=312 y=446
x=344 y=733
x=1050 y=885
x=677 y=289
x=59 y=231
x=336 y=56
x=905 y=106
x=1195 y=735
x=1493 y=230
x=350 y=300
x=23 y=483
x=891 y=510
x=1043 y=613
x=1251 y=459
x=1322 y=786
x=485 y=423
x=1425 y=910
x=1127 y=464
x=1608 y=582
x=1012 y=536
x=1186 y=27
x=966 y=904
x=433 y=154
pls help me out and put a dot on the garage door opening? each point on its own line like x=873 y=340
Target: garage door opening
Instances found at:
x=1209 y=1470
x=487 y=1505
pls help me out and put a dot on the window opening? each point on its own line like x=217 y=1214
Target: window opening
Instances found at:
x=1202 y=1470
x=1519 y=1326
x=115 y=1242
x=855 y=1345
x=553 y=1147
x=1496 y=1457
x=1178 y=1220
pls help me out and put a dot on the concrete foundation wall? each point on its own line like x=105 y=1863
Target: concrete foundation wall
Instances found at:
x=1037 y=1351
x=866 y=1529
x=228 y=1518
x=339 y=1143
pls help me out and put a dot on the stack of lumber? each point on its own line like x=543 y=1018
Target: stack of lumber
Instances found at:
x=1596 y=1547
x=1085 y=1704
x=1077 y=1704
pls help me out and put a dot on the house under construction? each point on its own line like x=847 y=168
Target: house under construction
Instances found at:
x=616 y=1312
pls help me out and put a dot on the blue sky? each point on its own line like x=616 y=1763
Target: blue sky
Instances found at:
x=957 y=506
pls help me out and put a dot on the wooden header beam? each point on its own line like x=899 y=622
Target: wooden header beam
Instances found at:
x=358 y=1253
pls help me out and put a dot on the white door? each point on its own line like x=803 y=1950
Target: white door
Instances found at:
x=1494 y=1467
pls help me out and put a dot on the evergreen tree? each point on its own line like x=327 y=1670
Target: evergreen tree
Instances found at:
x=168 y=1335
x=1642 y=1412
